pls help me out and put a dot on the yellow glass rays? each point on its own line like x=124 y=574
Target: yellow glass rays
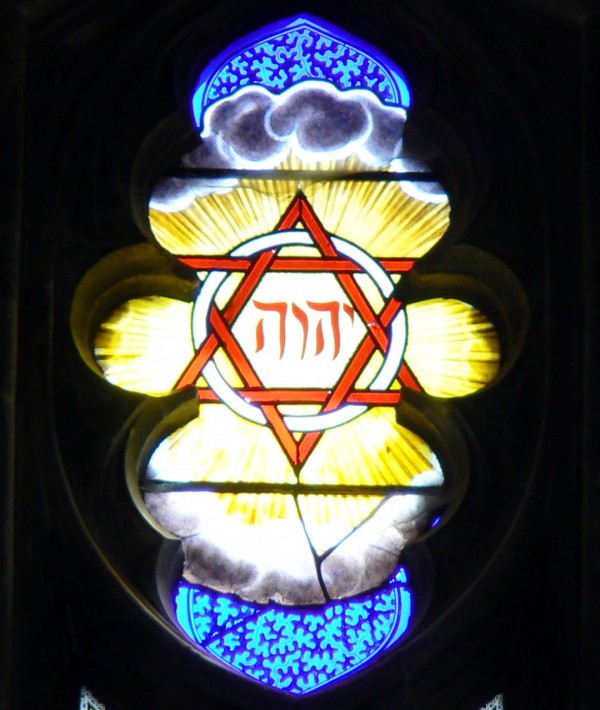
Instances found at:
x=452 y=347
x=376 y=215
x=218 y=447
x=372 y=450
x=145 y=344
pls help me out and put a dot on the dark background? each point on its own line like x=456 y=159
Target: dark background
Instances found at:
x=509 y=91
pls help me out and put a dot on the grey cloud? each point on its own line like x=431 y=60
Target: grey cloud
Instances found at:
x=221 y=552
x=208 y=564
x=370 y=555
x=173 y=194
x=240 y=124
x=275 y=562
x=320 y=120
x=255 y=127
x=426 y=191
x=385 y=139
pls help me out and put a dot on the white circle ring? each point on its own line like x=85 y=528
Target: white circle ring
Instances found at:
x=309 y=422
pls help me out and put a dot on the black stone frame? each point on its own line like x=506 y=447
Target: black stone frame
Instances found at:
x=509 y=90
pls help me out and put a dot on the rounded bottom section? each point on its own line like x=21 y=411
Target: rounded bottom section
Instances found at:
x=297 y=650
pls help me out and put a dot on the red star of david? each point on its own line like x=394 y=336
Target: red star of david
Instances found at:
x=299 y=212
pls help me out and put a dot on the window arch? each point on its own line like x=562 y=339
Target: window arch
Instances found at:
x=303 y=459
x=477 y=82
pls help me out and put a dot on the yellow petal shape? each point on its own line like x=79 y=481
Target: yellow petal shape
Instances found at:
x=453 y=349
x=269 y=547
x=145 y=344
x=377 y=215
x=373 y=449
x=219 y=446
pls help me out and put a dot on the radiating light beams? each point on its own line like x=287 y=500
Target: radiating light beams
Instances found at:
x=378 y=216
x=452 y=347
x=145 y=343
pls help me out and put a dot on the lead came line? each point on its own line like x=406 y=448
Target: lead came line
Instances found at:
x=160 y=486
x=313 y=175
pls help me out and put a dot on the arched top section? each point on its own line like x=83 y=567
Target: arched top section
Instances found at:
x=294 y=50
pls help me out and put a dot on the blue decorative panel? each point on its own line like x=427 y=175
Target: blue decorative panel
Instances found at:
x=297 y=650
x=295 y=50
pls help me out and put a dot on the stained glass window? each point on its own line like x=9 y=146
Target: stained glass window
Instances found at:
x=295 y=466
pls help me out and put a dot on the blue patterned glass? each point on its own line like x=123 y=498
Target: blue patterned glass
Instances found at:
x=295 y=50
x=297 y=650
